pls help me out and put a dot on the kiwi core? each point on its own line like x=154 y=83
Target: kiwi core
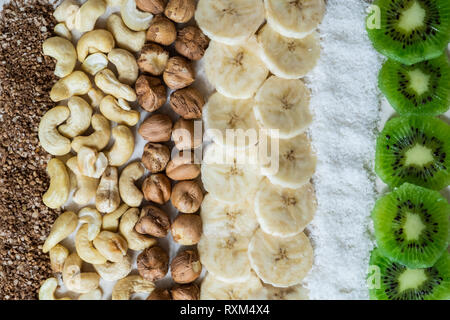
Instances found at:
x=411 y=279
x=412 y=18
x=413 y=226
x=418 y=81
x=418 y=155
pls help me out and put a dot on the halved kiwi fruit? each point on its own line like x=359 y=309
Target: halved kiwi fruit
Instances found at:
x=422 y=88
x=410 y=31
x=414 y=149
x=411 y=225
x=389 y=280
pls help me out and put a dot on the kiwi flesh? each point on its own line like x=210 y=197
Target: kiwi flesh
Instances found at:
x=422 y=88
x=410 y=31
x=389 y=280
x=414 y=149
x=411 y=225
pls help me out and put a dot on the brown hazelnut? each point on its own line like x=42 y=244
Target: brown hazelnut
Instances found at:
x=156 y=128
x=151 y=93
x=179 y=73
x=162 y=31
x=187 y=229
x=180 y=11
x=187 y=196
x=186 y=267
x=188 y=103
x=187 y=134
x=191 y=43
x=153 y=59
x=155 y=157
x=183 y=167
x=185 y=292
x=157 y=188
x=160 y=294
x=153 y=221
x=153 y=263
x=152 y=6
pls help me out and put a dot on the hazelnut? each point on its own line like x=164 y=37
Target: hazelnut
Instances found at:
x=179 y=73
x=186 y=135
x=151 y=93
x=153 y=221
x=183 y=167
x=185 y=292
x=180 y=11
x=191 y=43
x=155 y=157
x=156 y=128
x=187 y=196
x=162 y=31
x=153 y=59
x=188 y=103
x=153 y=264
x=186 y=267
x=187 y=229
x=160 y=294
x=157 y=188
x=152 y=6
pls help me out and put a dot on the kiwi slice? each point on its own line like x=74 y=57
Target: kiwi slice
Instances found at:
x=422 y=88
x=410 y=31
x=414 y=149
x=389 y=280
x=411 y=225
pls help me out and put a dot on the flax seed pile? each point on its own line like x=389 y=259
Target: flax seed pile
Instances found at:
x=26 y=77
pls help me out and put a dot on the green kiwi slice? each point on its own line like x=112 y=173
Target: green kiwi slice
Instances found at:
x=389 y=280
x=422 y=88
x=411 y=225
x=414 y=149
x=410 y=31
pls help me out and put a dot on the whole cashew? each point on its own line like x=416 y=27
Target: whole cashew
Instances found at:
x=91 y=163
x=95 y=294
x=111 y=245
x=112 y=110
x=85 y=186
x=135 y=19
x=126 y=65
x=75 y=280
x=108 y=83
x=93 y=219
x=59 y=189
x=129 y=193
x=64 y=52
x=111 y=220
x=65 y=10
x=58 y=255
x=135 y=240
x=47 y=290
x=49 y=137
x=107 y=198
x=75 y=84
x=125 y=38
x=123 y=146
x=62 y=31
x=99 y=40
x=79 y=120
x=113 y=271
x=88 y=14
x=124 y=288
x=64 y=225
x=94 y=63
x=85 y=248
x=96 y=96
x=99 y=139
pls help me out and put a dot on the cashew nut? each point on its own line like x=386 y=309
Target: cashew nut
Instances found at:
x=58 y=255
x=94 y=41
x=49 y=137
x=124 y=288
x=135 y=19
x=75 y=280
x=135 y=240
x=95 y=294
x=59 y=189
x=112 y=109
x=75 y=84
x=91 y=163
x=123 y=146
x=64 y=225
x=129 y=193
x=48 y=288
x=64 y=52
x=88 y=14
x=85 y=248
x=113 y=271
x=85 y=186
x=125 y=38
x=108 y=83
x=94 y=63
x=111 y=245
x=65 y=10
x=79 y=120
x=62 y=31
x=111 y=220
x=96 y=96
x=107 y=198
x=114 y=3
x=99 y=139
x=126 y=65
x=93 y=219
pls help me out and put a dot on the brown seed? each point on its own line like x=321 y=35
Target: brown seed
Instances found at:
x=183 y=166
x=186 y=267
x=185 y=292
x=191 y=43
x=188 y=103
x=180 y=11
x=157 y=188
x=156 y=128
x=160 y=294
x=153 y=59
x=151 y=93
x=152 y=6
x=179 y=73
x=153 y=263
x=153 y=221
x=187 y=196
x=187 y=229
x=155 y=157
x=162 y=31
x=187 y=134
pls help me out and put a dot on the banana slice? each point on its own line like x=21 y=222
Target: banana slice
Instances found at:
x=222 y=219
x=284 y=105
x=284 y=212
x=281 y=262
x=288 y=58
x=229 y=21
x=236 y=71
x=290 y=293
x=294 y=18
x=214 y=289
x=230 y=122
x=225 y=257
